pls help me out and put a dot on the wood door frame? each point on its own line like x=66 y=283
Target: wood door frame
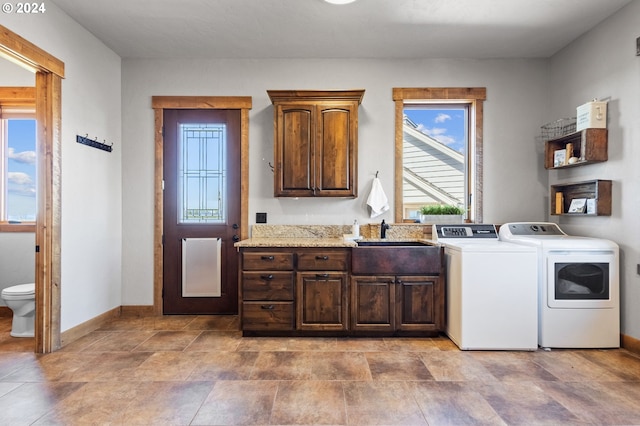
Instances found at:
x=159 y=104
x=49 y=72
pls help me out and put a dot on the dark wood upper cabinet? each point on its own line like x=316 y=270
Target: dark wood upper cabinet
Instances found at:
x=315 y=142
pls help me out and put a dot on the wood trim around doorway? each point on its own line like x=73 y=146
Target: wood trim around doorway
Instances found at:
x=159 y=104
x=48 y=98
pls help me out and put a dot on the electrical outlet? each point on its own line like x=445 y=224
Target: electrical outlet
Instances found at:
x=261 y=218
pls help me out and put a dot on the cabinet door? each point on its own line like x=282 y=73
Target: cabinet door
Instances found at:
x=416 y=307
x=336 y=150
x=294 y=148
x=373 y=303
x=321 y=301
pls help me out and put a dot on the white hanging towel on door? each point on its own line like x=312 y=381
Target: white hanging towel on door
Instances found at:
x=377 y=199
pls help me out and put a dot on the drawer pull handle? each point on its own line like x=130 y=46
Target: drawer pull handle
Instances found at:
x=267 y=277
x=267 y=307
x=322 y=275
x=322 y=257
x=267 y=258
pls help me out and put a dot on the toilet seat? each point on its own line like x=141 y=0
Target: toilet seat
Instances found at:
x=21 y=291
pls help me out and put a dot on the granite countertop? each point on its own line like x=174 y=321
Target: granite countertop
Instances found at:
x=325 y=235
x=295 y=242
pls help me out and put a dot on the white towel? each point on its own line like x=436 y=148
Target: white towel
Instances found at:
x=377 y=199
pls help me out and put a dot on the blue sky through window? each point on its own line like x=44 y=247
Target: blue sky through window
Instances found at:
x=446 y=125
x=21 y=170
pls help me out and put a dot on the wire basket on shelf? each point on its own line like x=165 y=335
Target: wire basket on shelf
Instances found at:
x=558 y=128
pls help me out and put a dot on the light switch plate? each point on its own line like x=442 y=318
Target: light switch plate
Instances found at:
x=261 y=218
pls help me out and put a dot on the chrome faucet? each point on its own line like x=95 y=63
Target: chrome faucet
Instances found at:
x=383 y=229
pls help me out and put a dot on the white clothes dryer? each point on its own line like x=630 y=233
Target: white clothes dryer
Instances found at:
x=491 y=289
x=578 y=289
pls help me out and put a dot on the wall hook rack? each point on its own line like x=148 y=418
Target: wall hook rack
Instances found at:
x=94 y=143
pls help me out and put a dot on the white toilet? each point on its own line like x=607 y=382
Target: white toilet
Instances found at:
x=21 y=299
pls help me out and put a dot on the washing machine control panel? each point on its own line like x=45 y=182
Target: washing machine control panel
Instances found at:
x=466 y=231
x=534 y=229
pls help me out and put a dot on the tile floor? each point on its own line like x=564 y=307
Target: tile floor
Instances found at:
x=198 y=370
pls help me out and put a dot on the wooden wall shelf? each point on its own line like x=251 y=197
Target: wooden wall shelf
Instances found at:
x=588 y=146
x=597 y=190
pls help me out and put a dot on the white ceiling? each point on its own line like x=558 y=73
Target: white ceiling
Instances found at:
x=315 y=29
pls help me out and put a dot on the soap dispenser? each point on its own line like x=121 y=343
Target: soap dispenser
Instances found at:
x=355 y=229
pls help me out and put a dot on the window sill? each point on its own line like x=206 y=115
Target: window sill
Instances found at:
x=17 y=227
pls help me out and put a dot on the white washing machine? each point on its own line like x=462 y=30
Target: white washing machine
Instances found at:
x=579 y=286
x=491 y=289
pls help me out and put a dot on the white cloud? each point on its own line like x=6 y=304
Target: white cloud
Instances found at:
x=441 y=118
x=438 y=133
x=19 y=178
x=26 y=157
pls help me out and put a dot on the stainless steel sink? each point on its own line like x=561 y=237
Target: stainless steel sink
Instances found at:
x=392 y=243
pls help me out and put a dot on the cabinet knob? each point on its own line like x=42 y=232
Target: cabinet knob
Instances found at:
x=322 y=275
x=267 y=277
x=267 y=257
x=322 y=257
x=267 y=307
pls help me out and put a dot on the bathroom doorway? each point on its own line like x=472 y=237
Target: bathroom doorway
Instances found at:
x=49 y=72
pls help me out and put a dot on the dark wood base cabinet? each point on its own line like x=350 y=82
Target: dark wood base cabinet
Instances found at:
x=311 y=292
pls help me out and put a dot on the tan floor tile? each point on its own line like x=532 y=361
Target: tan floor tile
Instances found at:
x=411 y=344
x=238 y=403
x=168 y=341
x=283 y=366
x=455 y=366
x=309 y=403
x=109 y=366
x=30 y=401
x=166 y=403
x=451 y=403
x=620 y=362
x=168 y=366
x=571 y=367
x=312 y=344
x=215 y=322
x=263 y=344
x=513 y=366
x=224 y=366
x=95 y=403
x=381 y=403
x=362 y=344
x=119 y=341
x=525 y=403
x=397 y=366
x=214 y=341
x=85 y=341
x=340 y=366
x=600 y=403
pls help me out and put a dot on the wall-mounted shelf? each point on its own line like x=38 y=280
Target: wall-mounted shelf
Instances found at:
x=589 y=146
x=597 y=190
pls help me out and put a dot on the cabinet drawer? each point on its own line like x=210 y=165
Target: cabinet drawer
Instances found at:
x=267 y=261
x=323 y=261
x=267 y=285
x=267 y=315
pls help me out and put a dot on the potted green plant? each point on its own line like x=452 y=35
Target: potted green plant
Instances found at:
x=441 y=213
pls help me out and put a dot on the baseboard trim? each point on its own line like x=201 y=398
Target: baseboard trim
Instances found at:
x=138 y=310
x=87 y=327
x=630 y=343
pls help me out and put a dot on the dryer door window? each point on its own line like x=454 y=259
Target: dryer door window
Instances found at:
x=581 y=280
